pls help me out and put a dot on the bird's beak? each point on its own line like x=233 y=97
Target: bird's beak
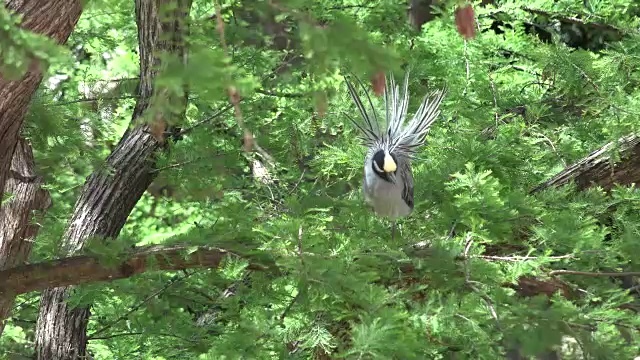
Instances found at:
x=392 y=177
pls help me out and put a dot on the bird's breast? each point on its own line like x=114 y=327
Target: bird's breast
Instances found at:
x=384 y=196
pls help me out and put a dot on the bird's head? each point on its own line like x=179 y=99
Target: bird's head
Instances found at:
x=385 y=165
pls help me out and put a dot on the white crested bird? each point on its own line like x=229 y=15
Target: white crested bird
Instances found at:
x=388 y=181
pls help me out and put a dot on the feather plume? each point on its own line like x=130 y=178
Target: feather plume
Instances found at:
x=400 y=136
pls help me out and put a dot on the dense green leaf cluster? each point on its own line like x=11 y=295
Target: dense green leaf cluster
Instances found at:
x=518 y=110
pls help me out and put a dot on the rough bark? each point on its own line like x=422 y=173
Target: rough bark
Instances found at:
x=55 y=19
x=599 y=169
x=110 y=194
x=419 y=13
x=18 y=228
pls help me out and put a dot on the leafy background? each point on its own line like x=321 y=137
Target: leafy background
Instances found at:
x=526 y=97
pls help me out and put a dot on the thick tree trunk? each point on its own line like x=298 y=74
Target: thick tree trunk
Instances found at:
x=109 y=196
x=53 y=18
x=419 y=13
x=17 y=230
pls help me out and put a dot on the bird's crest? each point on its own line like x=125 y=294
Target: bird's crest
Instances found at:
x=398 y=137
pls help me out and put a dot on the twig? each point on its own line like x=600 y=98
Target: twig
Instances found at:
x=298 y=182
x=585 y=76
x=234 y=97
x=300 y=244
x=465 y=256
x=553 y=148
x=466 y=61
x=295 y=298
x=61 y=103
x=522 y=258
x=279 y=94
x=470 y=283
x=489 y=303
x=572 y=19
x=141 y=333
x=138 y=306
x=495 y=98
x=452 y=231
x=347 y=7
x=174 y=165
x=201 y=122
x=289 y=306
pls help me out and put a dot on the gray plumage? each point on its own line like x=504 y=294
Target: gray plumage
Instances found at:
x=388 y=180
x=384 y=195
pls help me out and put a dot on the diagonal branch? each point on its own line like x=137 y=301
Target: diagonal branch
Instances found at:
x=600 y=168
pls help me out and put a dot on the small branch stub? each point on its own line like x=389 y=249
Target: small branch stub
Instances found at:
x=377 y=82
x=466 y=22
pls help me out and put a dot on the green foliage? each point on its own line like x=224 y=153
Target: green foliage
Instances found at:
x=518 y=110
x=20 y=49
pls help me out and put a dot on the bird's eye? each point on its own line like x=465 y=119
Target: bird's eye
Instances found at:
x=376 y=167
x=378 y=162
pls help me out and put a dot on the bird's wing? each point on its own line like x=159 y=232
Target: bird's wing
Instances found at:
x=406 y=178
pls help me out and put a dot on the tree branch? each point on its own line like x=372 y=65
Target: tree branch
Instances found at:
x=574 y=20
x=599 y=168
x=83 y=269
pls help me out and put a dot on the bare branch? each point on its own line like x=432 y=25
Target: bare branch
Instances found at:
x=207 y=120
x=280 y=94
x=574 y=20
x=516 y=258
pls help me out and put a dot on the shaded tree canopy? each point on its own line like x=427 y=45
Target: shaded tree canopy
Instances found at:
x=180 y=181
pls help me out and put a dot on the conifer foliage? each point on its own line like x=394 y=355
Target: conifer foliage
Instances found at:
x=180 y=180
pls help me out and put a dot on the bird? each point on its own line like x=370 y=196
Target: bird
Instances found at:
x=387 y=183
